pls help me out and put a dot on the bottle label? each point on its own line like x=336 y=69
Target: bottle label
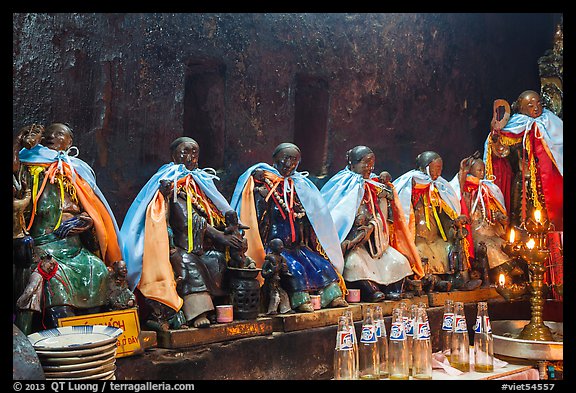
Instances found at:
x=368 y=334
x=409 y=327
x=345 y=341
x=352 y=334
x=423 y=331
x=460 y=325
x=447 y=321
x=397 y=332
x=478 y=324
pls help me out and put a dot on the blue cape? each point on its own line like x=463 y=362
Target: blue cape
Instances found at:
x=132 y=231
x=315 y=206
x=343 y=194
x=40 y=154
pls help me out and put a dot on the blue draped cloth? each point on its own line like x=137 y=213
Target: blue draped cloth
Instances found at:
x=312 y=201
x=343 y=194
x=132 y=231
x=40 y=154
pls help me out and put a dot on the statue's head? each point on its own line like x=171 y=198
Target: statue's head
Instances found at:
x=529 y=104
x=120 y=268
x=276 y=245
x=431 y=163
x=58 y=136
x=231 y=217
x=185 y=150
x=286 y=158
x=361 y=160
x=478 y=168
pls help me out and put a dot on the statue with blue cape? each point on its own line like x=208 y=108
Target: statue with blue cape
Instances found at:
x=277 y=202
x=431 y=205
x=379 y=252
x=482 y=201
x=70 y=220
x=173 y=241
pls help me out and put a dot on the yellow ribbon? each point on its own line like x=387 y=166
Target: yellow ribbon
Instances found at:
x=61 y=186
x=189 y=218
x=35 y=172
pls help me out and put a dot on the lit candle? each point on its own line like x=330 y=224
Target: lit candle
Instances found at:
x=530 y=244
x=537 y=216
x=512 y=235
x=501 y=280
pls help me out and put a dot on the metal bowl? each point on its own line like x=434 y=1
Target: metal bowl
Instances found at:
x=507 y=343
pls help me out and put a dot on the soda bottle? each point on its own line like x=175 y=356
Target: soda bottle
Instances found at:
x=352 y=330
x=368 y=352
x=422 y=347
x=344 y=356
x=460 y=349
x=398 y=348
x=483 y=341
x=447 y=322
x=409 y=324
x=382 y=341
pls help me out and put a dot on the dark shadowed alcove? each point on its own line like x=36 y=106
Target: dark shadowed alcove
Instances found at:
x=204 y=109
x=311 y=103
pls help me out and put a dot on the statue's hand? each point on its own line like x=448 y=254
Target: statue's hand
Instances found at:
x=165 y=187
x=73 y=226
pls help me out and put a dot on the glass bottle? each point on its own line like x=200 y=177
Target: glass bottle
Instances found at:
x=422 y=347
x=398 y=348
x=344 y=357
x=483 y=341
x=368 y=352
x=447 y=322
x=350 y=322
x=409 y=324
x=460 y=349
x=382 y=341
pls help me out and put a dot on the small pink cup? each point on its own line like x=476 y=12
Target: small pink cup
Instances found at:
x=224 y=313
x=315 y=300
x=353 y=296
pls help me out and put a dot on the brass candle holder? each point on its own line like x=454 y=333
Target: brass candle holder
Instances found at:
x=535 y=252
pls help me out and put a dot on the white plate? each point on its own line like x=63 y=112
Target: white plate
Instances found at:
x=75 y=352
x=48 y=360
x=74 y=337
x=81 y=373
x=79 y=365
x=105 y=375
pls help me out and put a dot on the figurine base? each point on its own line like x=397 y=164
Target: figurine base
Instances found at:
x=476 y=295
x=317 y=318
x=191 y=337
x=148 y=339
x=389 y=305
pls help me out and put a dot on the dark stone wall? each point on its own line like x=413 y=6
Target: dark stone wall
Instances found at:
x=400 y=83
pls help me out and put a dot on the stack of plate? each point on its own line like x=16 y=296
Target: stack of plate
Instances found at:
x=77 y=352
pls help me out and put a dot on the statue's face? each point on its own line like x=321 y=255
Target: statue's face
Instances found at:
x=435 y=168
x=57 y=137
x=365 y=166
x=530 y=105
x=187 y=153
x=478 y=169
x=286 y=161
x=31 y=137
x=121 y=269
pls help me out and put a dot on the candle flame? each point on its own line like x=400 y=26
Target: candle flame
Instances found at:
x=501 y=280
x=537 y=215
x=530 y=244
x=512 y=235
